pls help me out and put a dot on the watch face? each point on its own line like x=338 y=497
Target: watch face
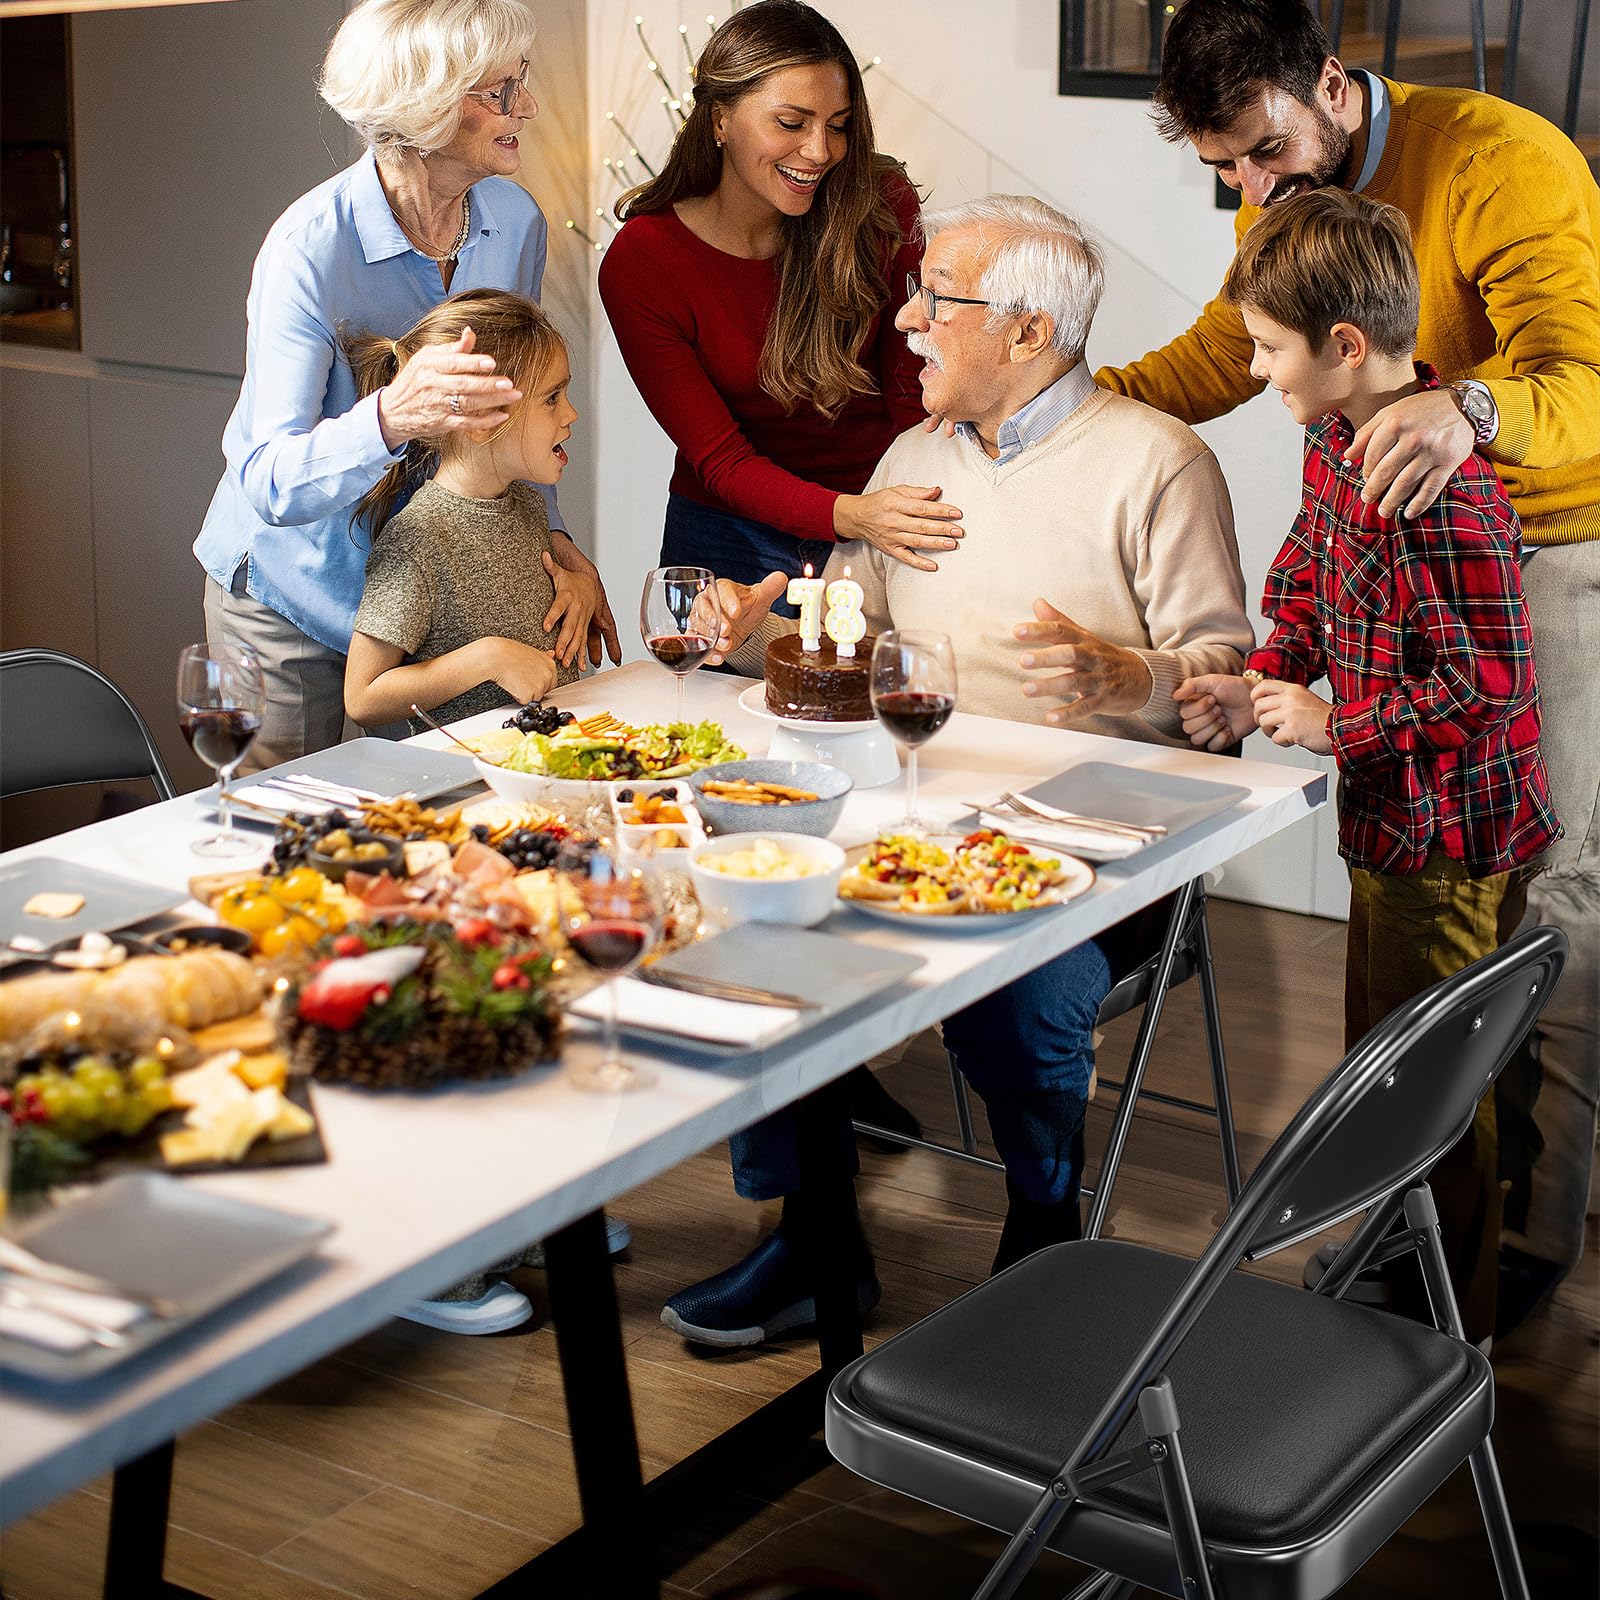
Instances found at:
x=1477 y=406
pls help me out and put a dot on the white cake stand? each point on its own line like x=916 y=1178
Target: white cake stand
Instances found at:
x=863 y=750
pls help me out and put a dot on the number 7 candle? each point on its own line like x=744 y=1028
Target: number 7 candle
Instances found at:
x=806 y=593
x=844 y=622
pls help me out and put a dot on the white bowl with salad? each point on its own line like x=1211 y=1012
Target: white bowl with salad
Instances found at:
x=580 y=767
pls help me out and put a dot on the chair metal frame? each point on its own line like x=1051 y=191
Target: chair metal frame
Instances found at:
x=1280 y=1206
x=155 y=771
x=1187 y=939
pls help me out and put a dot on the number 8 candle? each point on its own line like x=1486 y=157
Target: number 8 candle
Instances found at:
x=806 y=593
x=844 y=622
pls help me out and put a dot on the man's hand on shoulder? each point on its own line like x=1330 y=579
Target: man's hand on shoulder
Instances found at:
x=1408 y=451
x=1096 y=678
x=742 y=607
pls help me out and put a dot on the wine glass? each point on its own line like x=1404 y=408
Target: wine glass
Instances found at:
x=913 y=694
x=612 y=912
x=679 y=618
x=221 y=701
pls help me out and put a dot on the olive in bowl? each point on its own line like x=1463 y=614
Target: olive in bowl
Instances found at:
x=357 y=850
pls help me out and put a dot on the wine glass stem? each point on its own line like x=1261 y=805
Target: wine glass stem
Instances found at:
x=612 y=1051
x=911 y=783
x=679 y=677
x=224 y=808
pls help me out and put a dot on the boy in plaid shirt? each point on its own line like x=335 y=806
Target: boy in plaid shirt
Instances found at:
x=1419 y=625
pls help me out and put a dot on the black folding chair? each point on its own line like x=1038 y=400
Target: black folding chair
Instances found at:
x=63 y=722
x=1185 y=954
x=1312 y=1428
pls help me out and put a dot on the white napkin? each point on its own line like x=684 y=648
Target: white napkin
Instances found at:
x=36 y=1323
x=695 y=1016
x=1090 y=842
x=280 y=800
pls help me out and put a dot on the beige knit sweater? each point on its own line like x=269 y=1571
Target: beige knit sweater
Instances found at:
x=1119 y=517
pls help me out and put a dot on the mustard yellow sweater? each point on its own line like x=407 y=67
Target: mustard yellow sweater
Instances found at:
x=1506 y=219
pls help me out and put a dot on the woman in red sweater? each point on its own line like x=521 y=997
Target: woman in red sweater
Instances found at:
x=752 y=290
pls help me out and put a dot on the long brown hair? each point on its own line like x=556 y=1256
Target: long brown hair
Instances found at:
x=509 y=327
x=832 y=263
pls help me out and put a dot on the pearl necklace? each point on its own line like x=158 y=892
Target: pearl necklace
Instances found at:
x=460 y=240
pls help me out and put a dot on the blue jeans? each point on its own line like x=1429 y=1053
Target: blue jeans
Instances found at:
x=735 y=547
x=1027 y=1049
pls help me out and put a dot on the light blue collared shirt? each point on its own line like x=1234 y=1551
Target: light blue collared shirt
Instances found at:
x=1377 y=127
x=301 y=448
x=1042 y=415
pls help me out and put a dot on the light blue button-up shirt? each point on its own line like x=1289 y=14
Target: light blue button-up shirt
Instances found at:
x=301 y=448
x=1042 y=415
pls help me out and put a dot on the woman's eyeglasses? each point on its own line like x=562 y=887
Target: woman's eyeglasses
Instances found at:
x=504 y=99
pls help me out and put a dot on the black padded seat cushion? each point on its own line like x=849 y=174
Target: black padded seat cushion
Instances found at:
x=1286 y=1399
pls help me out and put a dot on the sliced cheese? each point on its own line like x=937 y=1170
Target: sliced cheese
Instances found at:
x=280 y=1117
x=53 y=904
x=267 y=1070
x=213 y=1082
x=224 y=1136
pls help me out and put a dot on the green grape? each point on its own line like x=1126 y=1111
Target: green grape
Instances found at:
x=146 y=1069
x=113 y=1098
x=134 y=1116
x=155 y=1097
x=96 y=1074
x=54 y=1093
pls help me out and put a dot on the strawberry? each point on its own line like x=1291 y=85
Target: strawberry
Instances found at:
x=473 y=931
x=338 y=996
x=349 y=944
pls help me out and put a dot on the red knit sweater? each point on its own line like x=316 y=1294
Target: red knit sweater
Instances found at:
x=691 y=321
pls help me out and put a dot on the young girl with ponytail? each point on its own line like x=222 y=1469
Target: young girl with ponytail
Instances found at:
x=460 y=581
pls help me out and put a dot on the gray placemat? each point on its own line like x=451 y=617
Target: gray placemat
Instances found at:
x=108 y=901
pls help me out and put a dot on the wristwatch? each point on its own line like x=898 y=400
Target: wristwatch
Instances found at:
x=1478 y=407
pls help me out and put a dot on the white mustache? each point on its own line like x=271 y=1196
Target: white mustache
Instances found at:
x=918 y=345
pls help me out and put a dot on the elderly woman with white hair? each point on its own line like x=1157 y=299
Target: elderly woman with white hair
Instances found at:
x=437 y=90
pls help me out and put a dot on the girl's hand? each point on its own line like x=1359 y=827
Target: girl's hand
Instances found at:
x=520 y=669
x=578 y=585
x=416 y=405
x=1215 y=709
x=1290 y=715
x=900 y=522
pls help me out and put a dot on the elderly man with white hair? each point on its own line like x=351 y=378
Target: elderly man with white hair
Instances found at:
x=1106 y=523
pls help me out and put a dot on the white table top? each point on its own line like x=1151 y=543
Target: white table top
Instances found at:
x=423 y=1195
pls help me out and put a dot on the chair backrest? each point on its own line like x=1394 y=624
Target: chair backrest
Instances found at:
x=1403 y=1095
x=1380 y=1119
x=62 y=722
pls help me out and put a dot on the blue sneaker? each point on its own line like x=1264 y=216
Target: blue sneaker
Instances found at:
x=763 y=1297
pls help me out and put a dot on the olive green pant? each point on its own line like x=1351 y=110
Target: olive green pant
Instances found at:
x=1406 y=933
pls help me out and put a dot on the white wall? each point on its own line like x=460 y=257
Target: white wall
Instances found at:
x=966 y=95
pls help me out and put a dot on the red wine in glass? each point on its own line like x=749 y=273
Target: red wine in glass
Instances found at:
x=220 y=738
x=913 y=717
x=609 y=944
x=679 y=620
x=221 y=701
x=913 y=693
x=680 y=652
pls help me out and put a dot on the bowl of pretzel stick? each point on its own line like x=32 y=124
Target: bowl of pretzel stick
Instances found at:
x=759 y=796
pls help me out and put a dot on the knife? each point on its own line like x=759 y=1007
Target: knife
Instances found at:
x=23 y=1264
x=726 y=989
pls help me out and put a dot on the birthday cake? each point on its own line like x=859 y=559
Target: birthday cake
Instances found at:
x=818 y=685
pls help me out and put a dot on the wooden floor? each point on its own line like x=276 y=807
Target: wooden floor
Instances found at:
x=418 y=1464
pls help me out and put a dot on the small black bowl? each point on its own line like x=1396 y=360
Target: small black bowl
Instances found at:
x=391 y=861
x=193 y=935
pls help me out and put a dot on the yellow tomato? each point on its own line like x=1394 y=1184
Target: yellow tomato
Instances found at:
x=247 y=907
x=301 y=885
x=293 y=933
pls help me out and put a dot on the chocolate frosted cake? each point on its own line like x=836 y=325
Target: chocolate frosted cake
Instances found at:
x=816 y=685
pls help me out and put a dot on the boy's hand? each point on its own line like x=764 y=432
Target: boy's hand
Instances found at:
x=741 y=607
x=1408 y=451
x=520 y=669
x=1290 y=715
x=1215 y=709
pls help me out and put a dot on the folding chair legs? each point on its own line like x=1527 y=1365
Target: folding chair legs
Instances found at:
x=1220 y=1096
x=1145 y=1042
x=1423 y=1217
x=1158 y=1411
x=1103 y=1586
x=958 y=1085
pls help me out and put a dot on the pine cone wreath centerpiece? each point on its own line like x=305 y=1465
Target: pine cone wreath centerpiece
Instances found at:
x=415 y=1005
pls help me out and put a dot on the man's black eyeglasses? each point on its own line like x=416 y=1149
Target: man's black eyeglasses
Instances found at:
x=931 y=300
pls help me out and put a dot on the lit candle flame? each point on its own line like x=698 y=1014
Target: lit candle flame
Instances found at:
x=808 y=569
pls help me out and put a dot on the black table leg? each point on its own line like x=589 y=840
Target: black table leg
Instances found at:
x=620 y=1553
x=831 y=1223
x=136 y=1548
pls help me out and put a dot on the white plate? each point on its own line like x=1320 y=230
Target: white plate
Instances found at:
x=754 y=701
x=1080 y=878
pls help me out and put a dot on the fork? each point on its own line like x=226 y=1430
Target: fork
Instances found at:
x=1027 y=808
x=106 y=1337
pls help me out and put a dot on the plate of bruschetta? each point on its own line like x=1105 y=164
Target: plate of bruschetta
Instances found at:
x=961 y=879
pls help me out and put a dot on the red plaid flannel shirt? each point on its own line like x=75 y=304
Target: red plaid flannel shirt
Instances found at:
x=1420 y=626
